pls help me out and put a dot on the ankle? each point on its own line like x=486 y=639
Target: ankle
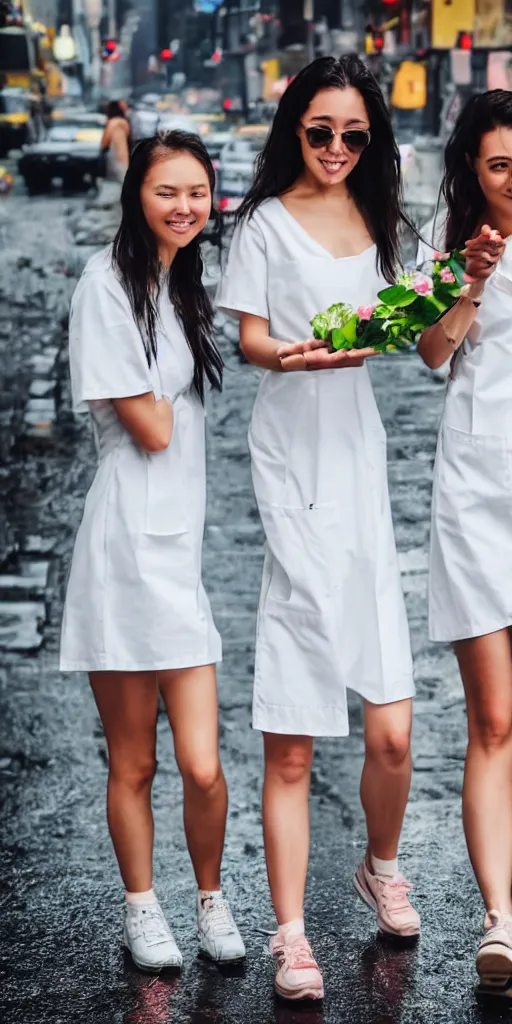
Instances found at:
x=289 y=929
x=383 y=868
x=148 y=896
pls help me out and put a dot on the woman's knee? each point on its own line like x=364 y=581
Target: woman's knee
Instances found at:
x=135 y=774
x=391 y=747
x=491 y=729
x=202 y=776
x=289 y=762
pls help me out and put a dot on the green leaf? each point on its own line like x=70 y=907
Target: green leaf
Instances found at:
x=393 y=295
x=338 y=340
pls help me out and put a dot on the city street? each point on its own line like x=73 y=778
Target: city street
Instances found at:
x=60 y=893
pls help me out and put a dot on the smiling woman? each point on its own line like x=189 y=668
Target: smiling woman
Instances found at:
x=137 y=617
x=320 y=226
x=470 y=588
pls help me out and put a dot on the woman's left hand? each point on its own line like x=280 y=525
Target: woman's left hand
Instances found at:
x=316 y=355
x=483 y=253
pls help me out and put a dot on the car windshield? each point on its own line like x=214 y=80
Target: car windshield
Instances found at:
x=62 y=132
x=13 y=104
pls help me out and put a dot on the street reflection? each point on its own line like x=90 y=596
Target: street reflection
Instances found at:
x=152 y=998
x=386 y=974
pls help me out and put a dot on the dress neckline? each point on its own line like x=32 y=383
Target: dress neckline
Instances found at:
x=322 y=248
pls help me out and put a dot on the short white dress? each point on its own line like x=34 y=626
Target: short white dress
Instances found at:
x=471 y=539
x=331 y=612
x=135 y=600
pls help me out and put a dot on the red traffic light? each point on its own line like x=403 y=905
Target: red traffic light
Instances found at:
x=227 y=104
x=217 y=56
x=465 y=41
x=110 y=45
x=378 y=41
x=166 y=54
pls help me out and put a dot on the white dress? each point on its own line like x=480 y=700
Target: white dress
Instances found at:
x=331 y=611
x=135 y=600
x=471 y=540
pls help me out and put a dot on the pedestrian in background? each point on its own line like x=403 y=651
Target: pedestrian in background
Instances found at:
x=320 y=226
x=471 y=544
x=136 y=617
x=115 y=143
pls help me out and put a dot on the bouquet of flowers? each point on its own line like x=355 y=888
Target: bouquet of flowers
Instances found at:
x=402 y=312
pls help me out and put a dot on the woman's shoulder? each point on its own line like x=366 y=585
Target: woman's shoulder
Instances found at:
x=100 y=284
x=261 y=218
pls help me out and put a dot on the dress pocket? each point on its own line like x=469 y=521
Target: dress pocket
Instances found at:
x=473 y=478
x=301 y=545
x=166 y=487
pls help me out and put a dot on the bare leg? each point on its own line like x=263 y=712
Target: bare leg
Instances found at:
x=128 y=707
x=286 y=821
x=485 y=664
x=386 y=774
x=190 y=696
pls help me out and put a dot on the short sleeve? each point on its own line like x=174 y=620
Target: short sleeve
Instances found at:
x=243 y=288
x=106 y=352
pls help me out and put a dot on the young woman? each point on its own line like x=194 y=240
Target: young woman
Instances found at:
x=137 y=618
x=115 y=142
x=471 y=545
x=319 y=226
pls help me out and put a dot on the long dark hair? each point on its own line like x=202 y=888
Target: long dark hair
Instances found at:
x=460 y=187
x=114 y=109
x=375 y=182
x=135 y=257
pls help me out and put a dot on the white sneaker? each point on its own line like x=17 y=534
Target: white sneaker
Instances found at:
x=148 y=937
x=218 y=934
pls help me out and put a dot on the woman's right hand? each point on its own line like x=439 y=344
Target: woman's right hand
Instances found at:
x=483 y=253
x=316 y=355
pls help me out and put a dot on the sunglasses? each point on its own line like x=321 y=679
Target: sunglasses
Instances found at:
x=355 y=139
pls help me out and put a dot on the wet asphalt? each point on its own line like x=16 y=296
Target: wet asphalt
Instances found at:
x=60 y=894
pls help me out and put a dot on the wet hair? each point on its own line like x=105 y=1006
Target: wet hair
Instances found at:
x=114 y=109
x=135 y=257
x=460 y=186
x=374 y=183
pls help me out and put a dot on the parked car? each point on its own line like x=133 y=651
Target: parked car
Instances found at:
x=21 y=118
x=236 y=172
x=71 y=151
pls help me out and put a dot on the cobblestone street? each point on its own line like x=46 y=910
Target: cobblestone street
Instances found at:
x=60 y=893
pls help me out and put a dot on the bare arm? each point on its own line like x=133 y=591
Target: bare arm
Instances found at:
x=262 y=350
x=257 y=345
x=106 y=137
x=148 y=420
x=439 y=342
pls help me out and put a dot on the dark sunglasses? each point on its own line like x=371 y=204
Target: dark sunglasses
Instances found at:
x=355 y=139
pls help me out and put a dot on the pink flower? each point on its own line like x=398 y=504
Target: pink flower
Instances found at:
x=423 y=285
x=447 y=276
x=365 y=312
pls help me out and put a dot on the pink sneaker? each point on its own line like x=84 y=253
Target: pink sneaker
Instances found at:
x=389 y=898
x=298 y=975
x=494 y=957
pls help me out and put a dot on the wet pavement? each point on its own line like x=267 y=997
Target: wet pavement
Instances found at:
x=60 y=894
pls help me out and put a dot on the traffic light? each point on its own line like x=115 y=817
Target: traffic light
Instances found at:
x=166 y=54
x=110 y=52
x=374 y=40
x=217 y=56
x=465 y=41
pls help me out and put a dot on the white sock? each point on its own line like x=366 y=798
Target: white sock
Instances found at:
x=141 y=897
x=388 y=868
x=295 y=927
